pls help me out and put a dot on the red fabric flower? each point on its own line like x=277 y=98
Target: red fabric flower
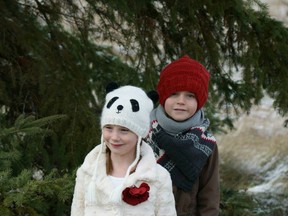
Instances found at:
x=135 y=195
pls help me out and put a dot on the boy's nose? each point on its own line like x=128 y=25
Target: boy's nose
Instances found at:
x=181 y=99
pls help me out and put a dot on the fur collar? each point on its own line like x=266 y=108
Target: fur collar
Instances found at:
x=145 y=170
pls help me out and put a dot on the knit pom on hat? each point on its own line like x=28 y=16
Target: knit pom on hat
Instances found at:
x=184 y=74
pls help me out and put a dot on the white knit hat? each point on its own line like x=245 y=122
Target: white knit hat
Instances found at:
x=130 y=107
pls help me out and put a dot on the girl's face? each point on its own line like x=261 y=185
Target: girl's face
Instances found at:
x=181 y=105
x=120 y=140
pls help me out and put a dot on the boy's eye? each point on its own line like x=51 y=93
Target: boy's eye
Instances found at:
x=191 y=95
x=174 y=94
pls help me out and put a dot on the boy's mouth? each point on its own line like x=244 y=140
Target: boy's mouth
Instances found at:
x=180 y=110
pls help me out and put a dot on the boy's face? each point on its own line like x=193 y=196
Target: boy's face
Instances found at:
x=180 y=106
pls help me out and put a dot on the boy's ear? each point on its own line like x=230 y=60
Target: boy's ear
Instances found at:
x=153 y=95
x=111 y=86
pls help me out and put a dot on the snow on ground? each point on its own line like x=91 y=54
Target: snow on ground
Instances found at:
x=259 y=145
x=259 y=148
x=274 y=181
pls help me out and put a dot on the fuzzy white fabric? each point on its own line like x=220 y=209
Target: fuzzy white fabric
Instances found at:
x=160 y=202
x=130 y=107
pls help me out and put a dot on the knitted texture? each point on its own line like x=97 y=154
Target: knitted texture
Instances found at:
x=184 y=155
x=130 y=107
x=184 y=74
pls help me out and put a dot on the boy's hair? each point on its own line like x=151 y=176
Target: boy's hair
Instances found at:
x=184 y=74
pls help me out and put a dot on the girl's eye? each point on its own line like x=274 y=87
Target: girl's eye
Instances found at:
x=107 y=127
x=124 y=130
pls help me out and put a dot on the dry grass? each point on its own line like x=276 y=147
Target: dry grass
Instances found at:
x=259 y=140
x=254 y=158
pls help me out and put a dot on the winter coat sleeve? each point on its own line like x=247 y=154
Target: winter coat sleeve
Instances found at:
x=208 y=200
x=165 y=203
x=77 y=207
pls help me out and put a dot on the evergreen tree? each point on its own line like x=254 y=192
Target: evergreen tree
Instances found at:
x=25 y=186
x=56 y=57
x=231 y=38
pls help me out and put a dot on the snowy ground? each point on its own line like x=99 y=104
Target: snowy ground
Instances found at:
x=259 y=147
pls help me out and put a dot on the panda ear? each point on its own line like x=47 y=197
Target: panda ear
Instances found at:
x=153 y=95
x=111 y=86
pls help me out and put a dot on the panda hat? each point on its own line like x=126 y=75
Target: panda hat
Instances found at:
x=130 y=107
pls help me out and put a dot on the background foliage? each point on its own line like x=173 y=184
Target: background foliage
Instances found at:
x=56 y=58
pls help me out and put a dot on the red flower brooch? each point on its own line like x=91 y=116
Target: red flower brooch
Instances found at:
x=135 y=195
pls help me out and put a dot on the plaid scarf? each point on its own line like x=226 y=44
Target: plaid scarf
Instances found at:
x=185 y=152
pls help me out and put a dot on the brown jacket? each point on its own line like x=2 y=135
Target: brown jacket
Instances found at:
x=204 y=198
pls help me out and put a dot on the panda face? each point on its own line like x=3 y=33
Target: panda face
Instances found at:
x=130 y=107
x=134 y=105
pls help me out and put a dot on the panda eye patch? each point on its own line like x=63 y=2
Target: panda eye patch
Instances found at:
x=109 y=104
x=135 y=105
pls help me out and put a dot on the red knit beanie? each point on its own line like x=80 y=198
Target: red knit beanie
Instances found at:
x=184 y=74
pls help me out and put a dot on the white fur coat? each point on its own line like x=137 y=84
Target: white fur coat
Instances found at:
x=160 y=202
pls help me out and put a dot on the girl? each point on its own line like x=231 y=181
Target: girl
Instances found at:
x=120 y=176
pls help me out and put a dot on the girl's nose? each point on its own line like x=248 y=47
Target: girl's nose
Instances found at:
x=114 y=135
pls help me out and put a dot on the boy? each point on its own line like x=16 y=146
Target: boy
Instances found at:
x=180 y=140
